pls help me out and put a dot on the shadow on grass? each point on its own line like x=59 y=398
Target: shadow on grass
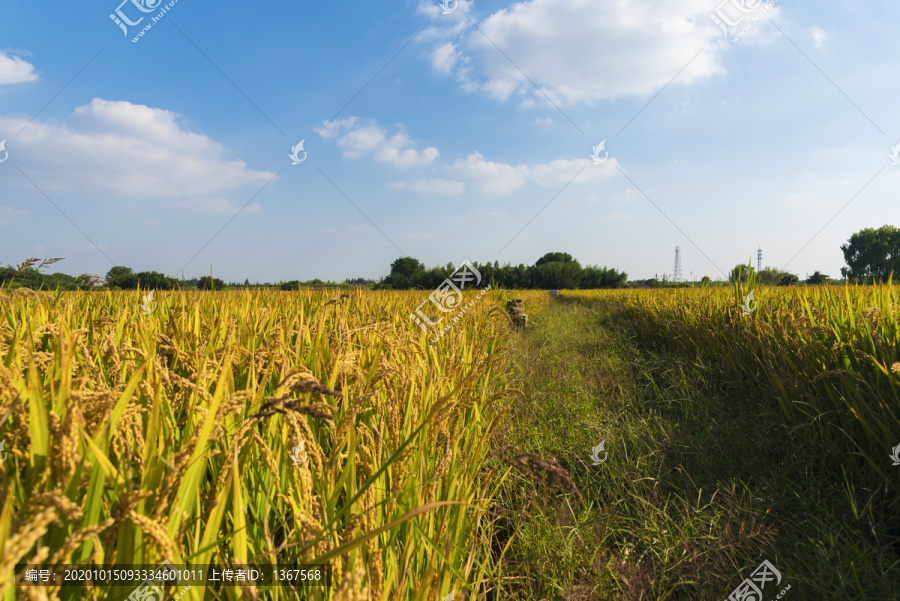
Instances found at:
x=702 y=479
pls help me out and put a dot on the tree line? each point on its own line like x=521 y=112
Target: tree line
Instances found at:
x=871 y=255
x=553 y=271
x=120 y=277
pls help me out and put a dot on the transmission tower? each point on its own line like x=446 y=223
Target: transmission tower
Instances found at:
x=676 y=277
x=759 y=260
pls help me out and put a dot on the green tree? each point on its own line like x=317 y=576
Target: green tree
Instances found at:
x=741 y=273
x=705 y=282
x=556 y=271
x=25 y=275
x=557 y=275
x=428 y=279
x=87 y=281
x=207 y=283
x=7 y=276
x=872 y=254
x=772 y=277
x=557 y=257
x=61 y=281
x=817 y=279
x=190 y=284
x=151 y=280
x=788 y=279
x=593 y=277
x=121 y=277
x=403 y=273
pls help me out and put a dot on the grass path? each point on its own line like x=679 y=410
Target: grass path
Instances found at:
x=701 y=483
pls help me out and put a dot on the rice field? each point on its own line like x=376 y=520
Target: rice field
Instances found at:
x=284 y=428
x=829 y=355
x=136 y=438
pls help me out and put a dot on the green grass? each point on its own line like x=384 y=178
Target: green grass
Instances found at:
x=703 y=479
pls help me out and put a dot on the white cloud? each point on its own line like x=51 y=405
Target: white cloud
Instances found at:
x=394 y=150
x=364 y=139
x=438 y=186
x=126 y=149
x=444 y=57
x=818 y=35
x=560 y=171
x=747 y=23
x=548 y=121
x=581 y=51
x=331 y=129
x=372 y=139
x=9 y=214
x=500 y=178
x=14 y=70
x=497 y=178
x=444 y=26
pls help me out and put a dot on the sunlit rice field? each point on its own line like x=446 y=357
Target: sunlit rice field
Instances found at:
x=137 y=437
x=829 y=355
x=284 y=428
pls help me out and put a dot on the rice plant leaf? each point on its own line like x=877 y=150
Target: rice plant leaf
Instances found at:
x=109 y=427
x=189 y=489
x=239 y=544
x=368 y=535
x=101 y=459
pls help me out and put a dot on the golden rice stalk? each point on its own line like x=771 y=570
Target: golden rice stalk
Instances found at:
x=78 y=537
x=157 y=534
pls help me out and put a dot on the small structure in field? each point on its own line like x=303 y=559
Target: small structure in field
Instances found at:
x=554 y=293
x=517 y=313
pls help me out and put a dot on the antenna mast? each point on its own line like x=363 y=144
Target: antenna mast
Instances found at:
x=677 y=276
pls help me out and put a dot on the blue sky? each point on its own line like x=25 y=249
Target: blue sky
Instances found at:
x=441 y=136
